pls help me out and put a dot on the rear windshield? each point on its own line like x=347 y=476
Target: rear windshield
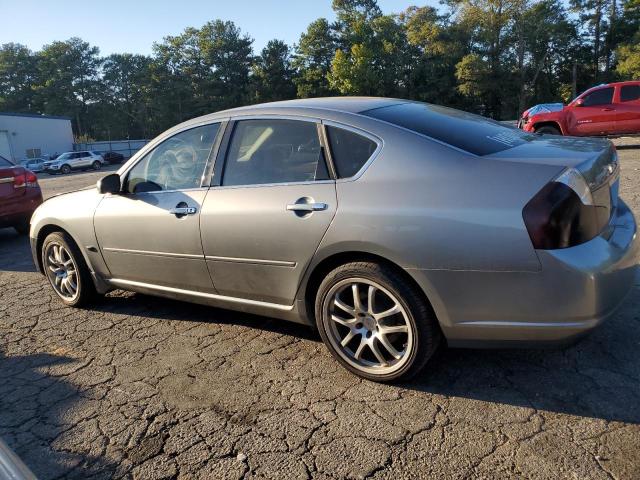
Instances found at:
x=5 y=163
x=466 y=131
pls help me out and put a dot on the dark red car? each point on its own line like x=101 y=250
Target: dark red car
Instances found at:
x=20 y=195
x=611 y=109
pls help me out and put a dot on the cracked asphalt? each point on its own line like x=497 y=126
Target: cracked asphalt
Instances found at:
x=139 y=387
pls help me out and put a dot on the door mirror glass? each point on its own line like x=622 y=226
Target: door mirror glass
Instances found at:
x=178 y=163
x=109 y=184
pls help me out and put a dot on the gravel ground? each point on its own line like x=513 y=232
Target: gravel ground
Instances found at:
x=148 y=388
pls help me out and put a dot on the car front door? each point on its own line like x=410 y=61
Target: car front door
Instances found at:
x=628 y=109
x=150 y=232
x=595 y=116
x=271 y=204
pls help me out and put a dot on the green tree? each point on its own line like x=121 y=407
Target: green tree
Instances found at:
x=312 y=59
x=69 y=81
x=273 y=74
x=18 y=76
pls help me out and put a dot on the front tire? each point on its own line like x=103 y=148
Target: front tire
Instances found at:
x=375 y=322
x=548 y=130
x=65 y=169
x=66 y=270
x=97 y=165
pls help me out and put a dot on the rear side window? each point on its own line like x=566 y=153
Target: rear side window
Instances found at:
x=629 y=93
x=349 y=150
x=604 y=96
x=466 y=131
x=274 y=151
x=5 y=163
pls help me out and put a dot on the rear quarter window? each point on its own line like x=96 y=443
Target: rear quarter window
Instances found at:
x=472 y=133
x=349 y=150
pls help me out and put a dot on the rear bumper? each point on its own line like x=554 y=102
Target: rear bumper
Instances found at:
x=575 y=291
x=20 y=209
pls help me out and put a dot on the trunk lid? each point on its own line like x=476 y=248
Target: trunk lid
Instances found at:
x=596 y=159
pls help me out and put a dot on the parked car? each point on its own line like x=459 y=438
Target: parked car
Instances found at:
x=65 y=163
x=36 y=165
x=113 y=157
x=20 y=195
x=611 y=109
x=387 y=224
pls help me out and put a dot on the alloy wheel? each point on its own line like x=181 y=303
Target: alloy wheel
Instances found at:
x=368 y=326
x=62 y=271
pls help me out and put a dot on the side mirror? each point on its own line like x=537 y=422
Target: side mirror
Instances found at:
x=109 y=184
x=579 y=102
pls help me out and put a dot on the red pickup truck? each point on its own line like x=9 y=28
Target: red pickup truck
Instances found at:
x=611 y=109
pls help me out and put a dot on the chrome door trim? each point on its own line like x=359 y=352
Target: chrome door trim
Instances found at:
x=259 y=261
x=152 y=253
x=210 y=296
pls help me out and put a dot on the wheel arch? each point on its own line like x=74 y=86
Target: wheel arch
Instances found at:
x=320 y=269
x=44 y=232
x=549 y=123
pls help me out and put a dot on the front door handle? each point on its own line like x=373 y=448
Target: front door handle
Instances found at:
x=182 y=211
x=307 y=207
x=608 y=109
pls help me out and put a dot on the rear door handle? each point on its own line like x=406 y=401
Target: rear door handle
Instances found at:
x=307 y=207
x=180 y=211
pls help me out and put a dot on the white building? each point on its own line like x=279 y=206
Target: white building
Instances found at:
x=24 y=135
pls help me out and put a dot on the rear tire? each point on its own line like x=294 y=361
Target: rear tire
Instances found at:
x=548 y=130
x=67 y=272
x=388 y=334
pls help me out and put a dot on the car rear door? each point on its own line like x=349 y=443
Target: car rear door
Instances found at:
x=270 y=206
x=150 y=232
x=596 y=115
x=628 y=109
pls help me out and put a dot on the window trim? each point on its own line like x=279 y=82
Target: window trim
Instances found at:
x=377 y=140
x=622 y=87
x=597 y=90
x=222 y=154
x=148 y=148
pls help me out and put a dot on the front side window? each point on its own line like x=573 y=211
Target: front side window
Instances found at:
x=604 y=96
x=177 y=163
x=274 y=151
x=349 y=150
x=629 y=93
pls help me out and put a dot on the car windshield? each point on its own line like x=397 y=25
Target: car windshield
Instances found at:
x=472 y=133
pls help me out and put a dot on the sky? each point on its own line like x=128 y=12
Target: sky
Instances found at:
x=132 y=26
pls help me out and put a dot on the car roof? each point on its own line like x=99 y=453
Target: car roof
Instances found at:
x=338 y=104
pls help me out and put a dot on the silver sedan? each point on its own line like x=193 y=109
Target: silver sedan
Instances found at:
x=390 y=225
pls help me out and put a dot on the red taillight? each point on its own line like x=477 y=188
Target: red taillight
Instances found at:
x=26 y=179
x=31 y=179
x=557 y=218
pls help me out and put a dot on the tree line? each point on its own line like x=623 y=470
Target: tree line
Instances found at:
x=493 y=57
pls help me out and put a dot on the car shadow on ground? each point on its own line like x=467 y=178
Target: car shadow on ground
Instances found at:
x=37 y=406
x=15 y=251
x=599 y=377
